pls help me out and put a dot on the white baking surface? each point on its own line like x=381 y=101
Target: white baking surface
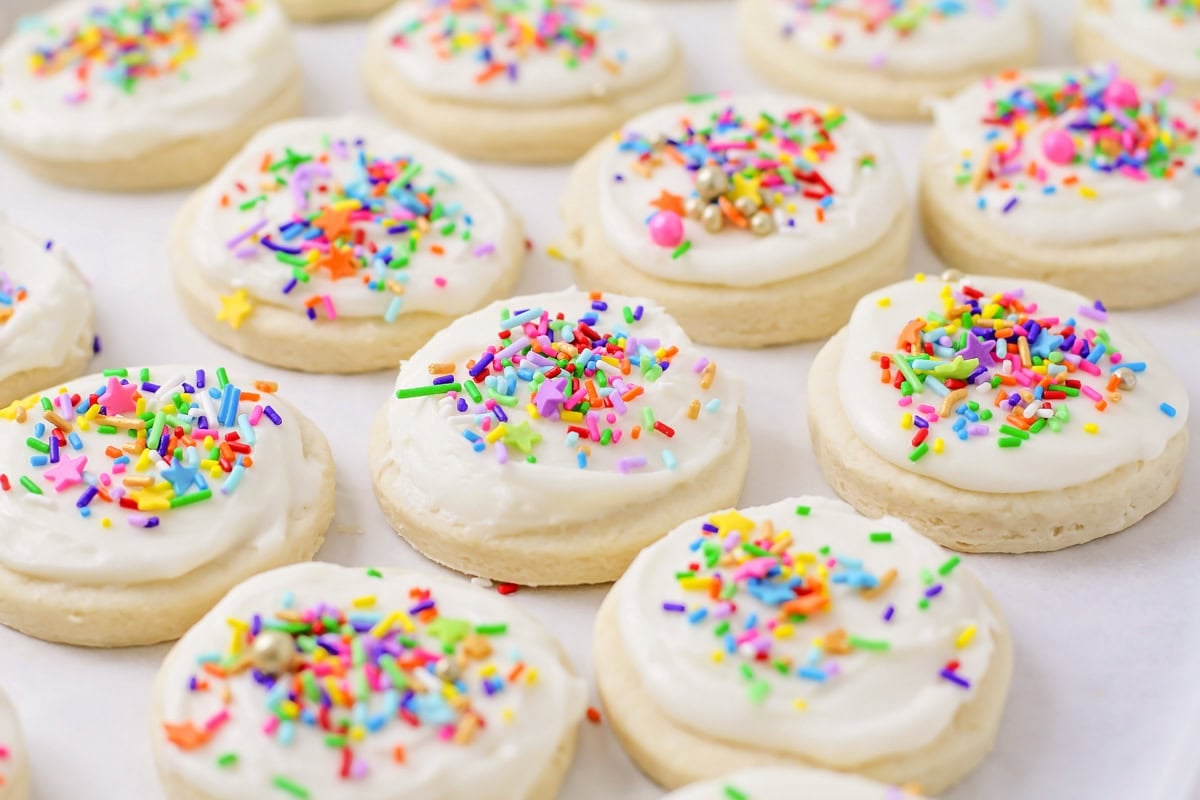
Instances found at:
x=1105 y=701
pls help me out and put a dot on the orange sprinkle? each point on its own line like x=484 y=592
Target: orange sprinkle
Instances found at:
x=491 y=71
x=732 y=213
x=270 y=387
x=186 y=736
x=593 y=715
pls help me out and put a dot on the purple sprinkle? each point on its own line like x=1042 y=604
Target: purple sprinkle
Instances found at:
x=443 y=379
x=1010 y=205
x=933 y=591
x=199 y=379
x=955 y=679
x=888 y=613
x=481 y=365
x=273 y=415
x=86 y=498
x=421 y=606
x=675 y=608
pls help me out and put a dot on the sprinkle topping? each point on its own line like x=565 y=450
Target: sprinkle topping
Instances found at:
x=551 y=380
x=504 y=34
x=749 y=172
x=875 y=16
x=352 y=675
x=137 y=449
x=1054 y=136
x=356 y=213
x=134 y=42
x=10 y=296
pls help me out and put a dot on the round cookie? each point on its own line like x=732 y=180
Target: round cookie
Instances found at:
x=1151 y=41
x=1074 y=177
x=754 y=219
x=1084 y=421
x=341 y=245
x=552 y=454
x=520 y=81
x=330 y=10
x=45 y=315
x=132 y=501
x=802 y=634
x=344 y=683
x=790 y=783
x=111 y=94
x=885 y=58
x=14 y=769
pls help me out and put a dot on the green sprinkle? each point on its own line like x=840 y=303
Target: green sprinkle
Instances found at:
x=227 y=760
x=1008 y=442
x=683 y=247
x=949 y=565
x=374 y=573
x=493 y=629
x=802 y=511
x=734 y=794
x=109 y=429
x=116 y=373
x=222 y=378
x=759 y=691
x=291 y=787
x=427 y=391
x=191 y=499
x=37 y=444
x=874 y=645
x=1017 y=432
x=29 y=485
x=917 y=454
x=473 y=392
x=881 y=536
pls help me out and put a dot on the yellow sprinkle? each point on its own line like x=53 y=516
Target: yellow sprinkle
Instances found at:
x=496 y=433
x=784 y=631
x=554 y=252
x=507 y=715
x=695 y=584
x=531 y=675
x=106 y=523
x=939 y=444
x=237 y=624
x=487 y=670
x=906 y=421
x=570 y=416
x=531 y=410
x=718 y=656
x=1091 y=427
x=919 y=277
x=799 y=704
x=964 y=638
x=883 y=302
x=358 y=733
x=365 y=601
x=1087 y=192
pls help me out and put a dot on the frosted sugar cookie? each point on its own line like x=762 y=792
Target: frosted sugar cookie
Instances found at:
x=341 y=245
x=328 y=10
x=546 y=439
x=801 y=634
x=14 y=771
x=516 y=80
x=789 y=783
x=996 y=416
x=143 y=94
x=131 y=501
x=338 y=683
x=45 y=314
x=1152 y=40
x=754 y=219
x=885 y=58
x=1075 y=177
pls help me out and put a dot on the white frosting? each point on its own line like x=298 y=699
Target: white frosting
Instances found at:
x=46 y=536
x=1167 y=41
x=432 y=457
x=789 y=783
x=631 y=48
x=47 y=328
x=451 y=282
x=503 y=760
x=1134 y=429
x=871 y=704
x=1123 y=207
x=867 y=199
x=232 y=74
x=12 y=746
x=984 y=33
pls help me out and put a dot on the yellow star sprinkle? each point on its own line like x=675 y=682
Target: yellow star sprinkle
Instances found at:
x=746 y=187
x=235 y=308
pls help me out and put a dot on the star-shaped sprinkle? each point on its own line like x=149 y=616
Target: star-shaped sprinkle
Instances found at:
x=523 y=437
x=333 y=223
x=549 y=397
x=339 y=262
x=977 y=349
x=66 y=473
x=957 y=369
x=153 y=498
x=669 y=202
x=180 y=476
x=744 y=186
x=119 y=398
x=731 y=520
x=235 y=308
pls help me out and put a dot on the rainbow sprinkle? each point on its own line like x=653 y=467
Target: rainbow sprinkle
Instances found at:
x=10 y=296
x=903 y=16
x=357 y=215
x=588 y=375
x=766 y=168
x=354 y=673
x=1035 y=367
x=138 y=448
x=140 y=40
x=1089 y=124
x=502 y=34
x=1178 y=11
x=736 y=557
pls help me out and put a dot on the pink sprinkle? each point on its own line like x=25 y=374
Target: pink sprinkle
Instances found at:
x=925 y=408
x=270 y=726
x=699 y=366
x=1089 y=392
x=217 y=720
x=439 y=282
x=904 y=401
x=327 y=302
x=1089 y=367
x=255 y=415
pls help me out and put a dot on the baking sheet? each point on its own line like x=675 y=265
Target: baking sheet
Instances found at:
x=1104 y=703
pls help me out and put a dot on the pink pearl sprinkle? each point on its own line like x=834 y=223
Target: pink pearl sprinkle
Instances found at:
x=666 y=229
x=1122 y=94
x=1058 y=146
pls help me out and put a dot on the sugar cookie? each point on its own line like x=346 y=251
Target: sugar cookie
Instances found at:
x=343 y=683
x=802 y=634
x=553 y=454
x=1083 y=420
x=790 y=783
x=144 y=94
x=1074 y=177
x=755 y=219
x=14 y=769
x=45 y=315
x=131 y=501
x=520 y=81
x=341 y=245
x=885 y=58
x=329 y=10
x=1152 y=40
